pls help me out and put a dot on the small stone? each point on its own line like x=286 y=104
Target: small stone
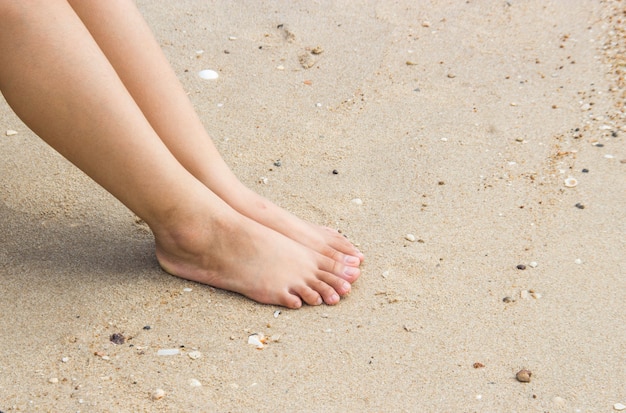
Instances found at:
x=357 y=201
x=335 y=172
x=53 y=380
x=411 y=63
x=276 y=313
x=533 y=264
x=147 y=327
x=521 y=267
x=578 y=261
x=425 y=23
x=187 y=290
x=579 y=206
x=117 y=338
x=65 y=359
x=11 y=132
x=508 y=299
x=194 y=355
x=609 y=156
x=410 y=237
x=478 y=365
x=519 y=139
x=280 y=67
x=263 y=180
x=524 y=294
x=158 y=394
x=451 y=75
x=317 y=50
x=385 y=274
x=278 y=163
x=195 y=383
x=232 y=38
x=619 y=407
x=523 y=376
x=585 y=170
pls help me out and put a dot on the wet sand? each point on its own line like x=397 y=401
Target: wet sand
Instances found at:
x=455 y=122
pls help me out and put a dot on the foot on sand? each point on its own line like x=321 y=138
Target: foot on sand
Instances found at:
x=215 y=245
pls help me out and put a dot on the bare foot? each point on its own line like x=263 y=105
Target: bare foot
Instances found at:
x=220 y=247
x=326 y=241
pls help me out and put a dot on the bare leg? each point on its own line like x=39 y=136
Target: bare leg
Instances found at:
x=131 y=48
x=60 y=83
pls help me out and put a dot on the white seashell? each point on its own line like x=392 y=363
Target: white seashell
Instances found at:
x=168 y=352
x=276 y=313
x=195 y=383
x=208 y=74
x=357 y=201
x=410 y=237
x=187 y=290
x=11 y=132
x=619 y=407
x=570 y=182
x=256 y=340
x=533 y=264
x=194 y=355
x=158 y=394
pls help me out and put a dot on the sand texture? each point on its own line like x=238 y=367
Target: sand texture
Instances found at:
x=455 y=122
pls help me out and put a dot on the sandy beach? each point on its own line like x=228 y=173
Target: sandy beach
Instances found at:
x=474 y=151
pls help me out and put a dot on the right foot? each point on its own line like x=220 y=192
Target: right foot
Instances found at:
x=229 y=251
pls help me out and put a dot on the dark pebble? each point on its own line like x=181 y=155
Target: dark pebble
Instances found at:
x=441 y=183
x=585 y=170
x=147 y=327
x=277 y=163
x=117 y=338
x=335 y=172
x=614 y=134
x=507 y=299
x=521 y=267
x=579 y=206
x=599 y=145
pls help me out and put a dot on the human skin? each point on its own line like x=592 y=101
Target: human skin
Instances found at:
x=90 y=79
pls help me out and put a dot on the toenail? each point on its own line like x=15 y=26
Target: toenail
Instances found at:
x=346 y=287
x=350 y=271
x=334 y=298
x=350 y=260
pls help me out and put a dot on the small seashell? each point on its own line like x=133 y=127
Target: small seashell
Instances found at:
x=158 y=394
x=65 y=359
x=232 y=38
x=619 y=407
x=11 y=132
x=257 y=340
x=208 y=74
x=410 y=237
x=578 y=261
x=195 y=383
x=570 y=182
x=523 y=376
x=168 y=352
x=385 y=274
x=357 y=201
x=53 y=380
x=276 y=313
x=194 y=355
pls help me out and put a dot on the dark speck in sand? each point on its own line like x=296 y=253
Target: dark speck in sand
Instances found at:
x=335 y=172
x=521 y=267
x=585 y=170
x=614 y=134
x=580 y=206
x=147 y=327
x=117 y=338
